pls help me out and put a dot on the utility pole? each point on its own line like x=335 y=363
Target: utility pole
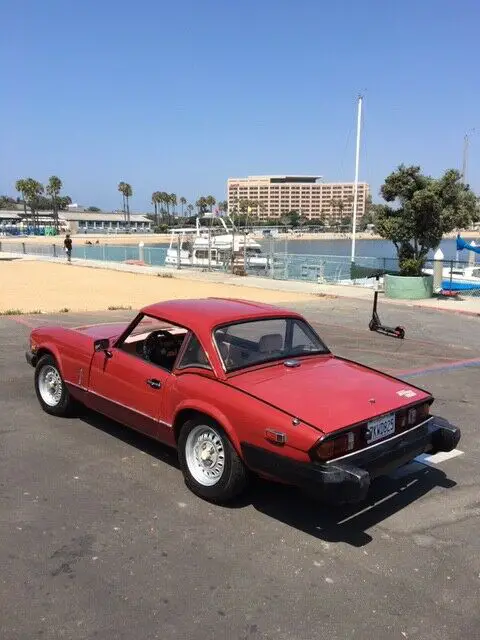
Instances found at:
x=357 y=163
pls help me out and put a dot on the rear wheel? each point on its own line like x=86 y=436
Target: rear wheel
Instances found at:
x=50 y=388
x=212 y=468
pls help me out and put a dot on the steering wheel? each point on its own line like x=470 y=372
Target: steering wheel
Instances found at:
x=150 y=343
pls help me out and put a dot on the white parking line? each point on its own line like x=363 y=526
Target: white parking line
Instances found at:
x=441 y=456
x=424 y=459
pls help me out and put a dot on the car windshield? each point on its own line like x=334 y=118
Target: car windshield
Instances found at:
x=250 y=343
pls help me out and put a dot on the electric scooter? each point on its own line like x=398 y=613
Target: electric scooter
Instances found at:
x=375 y=323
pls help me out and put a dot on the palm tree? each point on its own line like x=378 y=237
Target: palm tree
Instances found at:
x=53 y=189
x=223 y=206
x=33 y=190
x=338 y=206
x=210 y=202
x=201 y=204
x=165 y=200
x=128 y=195
x=156 y=200
x=127 y=192
x=121 y=188
x=173 y=202
x=21 y=186
x=183 y=202
x=190 y=209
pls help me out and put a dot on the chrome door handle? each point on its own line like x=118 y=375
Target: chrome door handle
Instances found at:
x=154 y=383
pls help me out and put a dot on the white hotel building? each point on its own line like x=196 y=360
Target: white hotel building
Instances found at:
x=307 y=195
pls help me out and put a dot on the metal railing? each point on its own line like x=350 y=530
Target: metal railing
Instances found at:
x=279 y=265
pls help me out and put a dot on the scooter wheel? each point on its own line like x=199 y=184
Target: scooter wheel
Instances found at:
x=400 y=332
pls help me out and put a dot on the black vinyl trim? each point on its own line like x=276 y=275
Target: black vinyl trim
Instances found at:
x=349 y=481
x=31 y=358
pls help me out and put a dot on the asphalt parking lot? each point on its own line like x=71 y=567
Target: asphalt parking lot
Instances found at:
x=101 y=539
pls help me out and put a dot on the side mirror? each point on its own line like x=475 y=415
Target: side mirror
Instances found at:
x=101 y=345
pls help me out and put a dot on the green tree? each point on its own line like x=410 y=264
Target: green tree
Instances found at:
x=425 y=209
x=190 y=209
x=7 y=203
x=316 y=222
x=53 y=189
x=223 y=206
x=32 y=192
x=292 y=219
x=94 y=209
x=183 y=202
x=339 y=206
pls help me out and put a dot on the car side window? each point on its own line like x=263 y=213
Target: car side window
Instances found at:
x=194 y=355
x=154 y=341
x=301 y=341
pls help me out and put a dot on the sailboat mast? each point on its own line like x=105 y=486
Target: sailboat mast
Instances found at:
x=465 y=158
x=357 y=165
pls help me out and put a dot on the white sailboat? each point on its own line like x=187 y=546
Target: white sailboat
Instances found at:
x=459 y=278
x=214 y=246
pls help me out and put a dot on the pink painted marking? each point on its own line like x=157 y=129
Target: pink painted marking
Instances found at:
x=439 y=365
x=28 y=324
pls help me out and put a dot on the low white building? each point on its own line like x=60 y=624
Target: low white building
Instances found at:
x=77 y=221
x=82 y=221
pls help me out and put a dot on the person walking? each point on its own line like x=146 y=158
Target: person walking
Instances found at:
x=67 y=243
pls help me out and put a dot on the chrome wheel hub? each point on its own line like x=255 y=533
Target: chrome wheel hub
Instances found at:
x=205 y=455
x=50 y=385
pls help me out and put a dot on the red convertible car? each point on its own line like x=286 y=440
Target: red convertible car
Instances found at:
x=239 y=387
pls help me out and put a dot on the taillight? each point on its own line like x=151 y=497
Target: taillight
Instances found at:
x=354 y=440
x=423 y=411
x=334 y=447
x=411 y=416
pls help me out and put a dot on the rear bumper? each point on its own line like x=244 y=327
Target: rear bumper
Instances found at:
x=347 y=480
x=31 y=358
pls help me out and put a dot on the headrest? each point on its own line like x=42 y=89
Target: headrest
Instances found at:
x=271 y=342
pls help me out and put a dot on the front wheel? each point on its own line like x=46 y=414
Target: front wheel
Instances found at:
x=212 y=468
x=50 y=388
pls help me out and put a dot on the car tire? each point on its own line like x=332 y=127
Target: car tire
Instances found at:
x=212 y=468
x=51 y=390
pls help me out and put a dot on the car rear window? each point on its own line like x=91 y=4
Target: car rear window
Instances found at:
x=246 y=344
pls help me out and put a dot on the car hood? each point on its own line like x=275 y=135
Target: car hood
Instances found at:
x=106 y=330
x=327 y=392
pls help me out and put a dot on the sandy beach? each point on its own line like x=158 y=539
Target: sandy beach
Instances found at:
x=30 y=286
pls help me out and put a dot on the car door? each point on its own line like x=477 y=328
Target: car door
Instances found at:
x=132 y=391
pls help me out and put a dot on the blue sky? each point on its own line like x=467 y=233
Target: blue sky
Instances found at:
x=178 y=96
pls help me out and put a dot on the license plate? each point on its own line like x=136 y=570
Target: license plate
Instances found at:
x=380 y=428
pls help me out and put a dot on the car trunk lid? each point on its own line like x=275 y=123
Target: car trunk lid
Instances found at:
x=328 y=392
